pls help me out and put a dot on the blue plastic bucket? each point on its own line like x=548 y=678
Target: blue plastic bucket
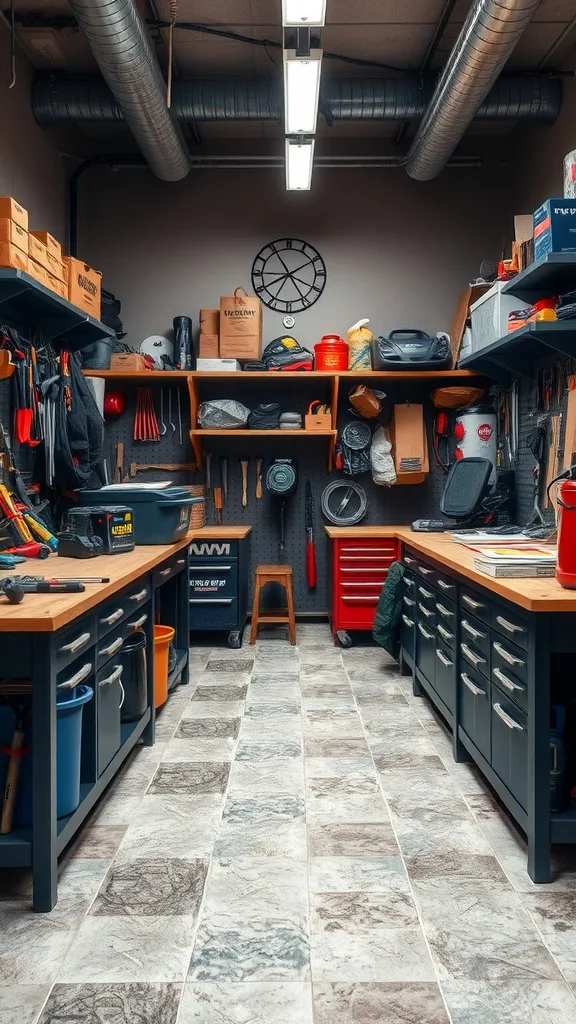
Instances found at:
x=69 y=708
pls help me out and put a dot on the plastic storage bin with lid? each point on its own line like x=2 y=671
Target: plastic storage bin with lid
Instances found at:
x=161 y=514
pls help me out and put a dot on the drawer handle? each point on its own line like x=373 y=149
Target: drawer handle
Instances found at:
x=409 y=583
x=510 y=627
x=210 y=600
x=113 y=617
x=424 y=570
x=444 y=611
x=507 y=719
x=425 y=593
x=76 y=644
x=409 y=602
x=367 y=598
x=180 y=561
x=442 y=657
x=113 y=647
x=164 y=572
x=471 y=602
x=118 y=669
x=444 y=633
x=476 y=659
x=374 y=551
x=507 y=682
x=365 y=568
x=199 y=567
x=510 y=658
x=137 y=622
x=445 y=586
x=473 y=632
x=425 y=633
x=476 y=690
x=140 y=595
x=409 y=561
x=407 y=621
x=426 y=611
x=77 y=678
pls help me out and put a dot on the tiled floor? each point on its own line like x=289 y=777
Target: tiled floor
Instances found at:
x=297 y=848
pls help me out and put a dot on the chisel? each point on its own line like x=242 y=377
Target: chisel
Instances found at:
x=218 y=504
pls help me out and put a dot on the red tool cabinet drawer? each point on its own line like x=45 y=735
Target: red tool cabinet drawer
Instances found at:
x=359 y=571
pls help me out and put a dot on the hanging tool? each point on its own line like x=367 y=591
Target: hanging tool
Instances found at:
x=180 y=436
x=170 y=423
x=170 y=467
x=19 y=527
x=309 y=523
x=119 y=465
x=162 y=425
x=218 y=504
x=259 y=463
x=224 y=476
x=37 y=526
x=244 y=468
x=208 y=481
x=19 y=485
x=16 y=752
x=281 y=482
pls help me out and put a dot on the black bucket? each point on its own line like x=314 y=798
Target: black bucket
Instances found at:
x=134 y=677
x=97 y=356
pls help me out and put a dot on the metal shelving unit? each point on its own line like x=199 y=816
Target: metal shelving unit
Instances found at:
x=23 y=301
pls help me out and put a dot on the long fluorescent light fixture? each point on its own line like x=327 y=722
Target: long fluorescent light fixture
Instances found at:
x=299 y=160
x=296 y=13
x=301 y=91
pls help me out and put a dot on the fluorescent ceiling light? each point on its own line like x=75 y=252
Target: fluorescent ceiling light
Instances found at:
x=299 y=160
x=301 y=91
x=303 y=12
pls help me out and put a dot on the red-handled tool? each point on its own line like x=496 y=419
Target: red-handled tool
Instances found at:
x=33 y=549
x=309 y=523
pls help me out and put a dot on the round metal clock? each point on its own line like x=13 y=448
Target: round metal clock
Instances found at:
x=288 y=275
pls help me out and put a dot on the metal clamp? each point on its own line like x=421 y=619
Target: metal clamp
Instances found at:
x=476 y=659
x=407 y=621
x=471 y=602
x=442 y=657
x=507 y=719
x=510 y=658
x=444 y=633
x=508 y=683
x=77 y=678
x=118 y=669
x=76 y=644
x=137 y=622
x=476 y=690
x=473 y=632
x=425 y=633
x=113 y=617
x=509 y=626
x=140 y=595
x=115 y=646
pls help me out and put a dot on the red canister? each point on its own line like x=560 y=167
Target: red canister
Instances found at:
x=331 y=354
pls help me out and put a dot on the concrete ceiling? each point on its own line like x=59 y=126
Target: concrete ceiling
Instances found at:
x=391 y=32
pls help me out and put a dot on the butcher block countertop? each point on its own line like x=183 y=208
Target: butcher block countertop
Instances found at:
x=535 y=595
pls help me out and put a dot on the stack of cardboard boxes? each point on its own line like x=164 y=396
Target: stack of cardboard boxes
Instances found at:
x=39 y=254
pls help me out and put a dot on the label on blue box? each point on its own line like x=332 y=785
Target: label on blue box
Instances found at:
x=555 y=227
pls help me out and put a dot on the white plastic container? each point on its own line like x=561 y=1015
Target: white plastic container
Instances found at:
x=489 y=316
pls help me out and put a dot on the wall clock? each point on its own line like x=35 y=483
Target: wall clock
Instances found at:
x=288 y=275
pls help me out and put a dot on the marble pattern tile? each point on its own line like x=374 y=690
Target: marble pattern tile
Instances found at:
x=417 y=837
x=225 y=692
x=208 y=728
x=233 y=666
x=394 y=1002
x=321 y=746
x=213 y=709
x=112 y=1004
x=267 y=838
x=264 y=752
x=270 y=729
x=21 y=1004
x=170 y=825
x=358 y=874
x=347 y=800
x=186 y=748
x=32 y=946
x=378 y=955
x=340 y=767
x=152 y=887
x=258 y=1002
x=436 y=869
x=97 y=841
x=250 y=810
x=264 y=951
x=191 y=778
x=312 y=687
x=514 y=1001
x=554 y=914
x=333 y=725
x=254 y=889
x=106 y=950
x=281 y=775
x=271 y=708
x=351 y=840
x=362 y=911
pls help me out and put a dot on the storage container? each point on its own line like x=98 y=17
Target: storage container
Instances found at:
x=489 y=316
x=555 y=227
x=132 y=657
x=163 y=636
x=161 y=516
x=331 y=354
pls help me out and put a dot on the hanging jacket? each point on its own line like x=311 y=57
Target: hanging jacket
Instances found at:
x=79 y=434
x=386 y=631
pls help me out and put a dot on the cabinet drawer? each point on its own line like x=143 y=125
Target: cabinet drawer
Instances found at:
x=475 y=658
x=426 y=573
x=426 y=651
x=475 y=603
x=474 y=709
x=111 y=644
x=446 y=633
x=445 y=675
x=510 y=625
x=410 y=561
x=374 y=576
x=446 y=613
x=446 y=586
x=74 y=640
x=510 y=745
x=408 y=634
x=214 y=613
x=214 y=549
x=109 y=695
x=509 y=657
x=212 y=579
x=409 y=605
x=426 y=594
x=409 y=583
x=137 y=594
x=426 y=615
x=168 y=569
x=80 y=671
x=476 y=634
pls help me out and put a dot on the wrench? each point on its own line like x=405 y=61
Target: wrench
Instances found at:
x=172 y=425
x=162 y=425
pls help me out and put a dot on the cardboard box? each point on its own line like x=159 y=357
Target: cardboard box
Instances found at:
x=127 y=361
x=37 y=251
x=39 y=273
x=240 y=326
x=555 y=227
x=11 y=232
x=12 y=256
x=13 y=211
x=323 y=421
x=53 y=246
x=209 y=347
x=409 y=441
x=84 y=285
x=57 y=286
x=54 y=267
x=210 y=321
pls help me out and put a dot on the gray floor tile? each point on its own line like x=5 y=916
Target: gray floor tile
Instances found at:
x=357 y=874
x=209 y=728
x=97 y=841
x=112 y=1004
x=239 y=1003
x=224 y=692
x=555 y=916
x=153 y=887
x=106 y=950
x=383 y=1002
x=269 y=751
x=264 y=951
x=196 y=748
x=351 y=840
x=191 y=778
x=360 y=912
x=523 y=1001
x=32 y=946
x=379 y=955
x=168 y=825
x=21 y=1004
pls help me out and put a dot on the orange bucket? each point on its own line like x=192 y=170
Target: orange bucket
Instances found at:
x=163 y=636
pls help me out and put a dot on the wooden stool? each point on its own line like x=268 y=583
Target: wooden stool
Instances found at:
x=273 y=574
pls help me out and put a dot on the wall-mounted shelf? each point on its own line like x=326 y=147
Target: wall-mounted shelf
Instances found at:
x=263 y=433
x=553 y=274
x=518 y=351
x=25 y=302
x=139 y=375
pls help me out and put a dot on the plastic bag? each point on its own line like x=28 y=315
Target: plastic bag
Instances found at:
x=223 y=414
x=383 y=470
x=359 y=338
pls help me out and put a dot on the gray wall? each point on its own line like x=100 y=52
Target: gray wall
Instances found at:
x=396 y=250
x=538 y=155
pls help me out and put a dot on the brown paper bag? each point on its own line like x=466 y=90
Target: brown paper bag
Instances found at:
x=240 y=326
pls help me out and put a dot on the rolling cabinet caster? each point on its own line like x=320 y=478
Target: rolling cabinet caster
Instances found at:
x=235 y=639
x=344 y=639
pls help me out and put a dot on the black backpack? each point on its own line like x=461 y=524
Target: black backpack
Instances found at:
x=79 y=429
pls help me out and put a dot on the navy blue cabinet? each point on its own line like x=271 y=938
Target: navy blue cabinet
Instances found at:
x=218 y=598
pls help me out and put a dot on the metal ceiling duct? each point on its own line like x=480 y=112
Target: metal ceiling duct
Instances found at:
x=57 y=99
x=487 y=38
x=119 y=41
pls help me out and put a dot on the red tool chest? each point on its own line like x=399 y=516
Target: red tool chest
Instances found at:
x=360 y=567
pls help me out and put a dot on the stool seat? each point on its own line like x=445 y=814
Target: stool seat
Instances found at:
x=281 y=574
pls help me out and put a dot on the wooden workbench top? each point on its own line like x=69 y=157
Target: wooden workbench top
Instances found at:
x=220 y=533
x=535 y=595
x=43 y=613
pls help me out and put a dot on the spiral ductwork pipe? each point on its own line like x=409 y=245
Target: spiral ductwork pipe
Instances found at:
x=119 y=41
x=488 y=37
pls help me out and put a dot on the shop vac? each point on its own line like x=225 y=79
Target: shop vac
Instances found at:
x=282 y=483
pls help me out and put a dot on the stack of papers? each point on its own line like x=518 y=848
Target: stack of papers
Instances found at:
x=519 y=560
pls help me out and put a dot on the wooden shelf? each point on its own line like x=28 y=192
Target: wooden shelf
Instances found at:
x=263 y=433
x=139 y=375
x=273 y=376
